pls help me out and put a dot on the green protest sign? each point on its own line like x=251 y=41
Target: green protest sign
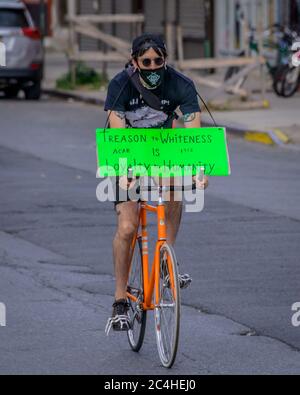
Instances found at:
x=153 y=152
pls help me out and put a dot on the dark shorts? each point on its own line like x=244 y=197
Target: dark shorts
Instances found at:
x=123 y=196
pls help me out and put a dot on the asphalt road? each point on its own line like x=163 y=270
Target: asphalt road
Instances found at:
x=56 y=266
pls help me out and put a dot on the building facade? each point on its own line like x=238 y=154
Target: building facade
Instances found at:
x=231 y=14
x=195 y=17
x=208 y=26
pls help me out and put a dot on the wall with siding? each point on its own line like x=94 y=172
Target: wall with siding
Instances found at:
x=189 y=13
x=192 y=19
x=124 y=30
x=86 y=43
x=154 y=14
x=121 y=30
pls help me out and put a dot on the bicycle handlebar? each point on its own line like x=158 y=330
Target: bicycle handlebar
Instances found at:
x=171 y=188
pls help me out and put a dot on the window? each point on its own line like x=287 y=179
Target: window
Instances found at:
x=13 y=18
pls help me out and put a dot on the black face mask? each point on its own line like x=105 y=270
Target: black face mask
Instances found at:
x=153 y=78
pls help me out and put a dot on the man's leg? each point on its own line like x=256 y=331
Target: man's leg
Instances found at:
x=173 y=220
x=128 y=219
x=173 y=209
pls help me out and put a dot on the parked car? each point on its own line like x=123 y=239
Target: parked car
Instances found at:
x=24 y=51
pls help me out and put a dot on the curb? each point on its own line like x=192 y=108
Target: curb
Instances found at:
x=270 y=137
x=72 y=95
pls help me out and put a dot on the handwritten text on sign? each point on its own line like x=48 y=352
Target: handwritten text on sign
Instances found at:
x=154 y=152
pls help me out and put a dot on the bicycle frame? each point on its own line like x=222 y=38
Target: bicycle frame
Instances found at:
x=159 y=290
x=151 y=281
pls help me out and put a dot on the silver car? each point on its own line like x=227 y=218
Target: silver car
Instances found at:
x=24 y=51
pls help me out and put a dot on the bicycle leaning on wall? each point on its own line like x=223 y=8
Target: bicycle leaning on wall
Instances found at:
x=277 y=49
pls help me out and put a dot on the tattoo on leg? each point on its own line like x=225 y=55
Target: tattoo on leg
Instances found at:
x=120 y=114
x=189 y=117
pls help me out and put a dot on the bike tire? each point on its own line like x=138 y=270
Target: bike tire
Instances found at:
x=11 y=92
x=290 y=87
x=167 y=333
x=138 y=317
x=278 y=78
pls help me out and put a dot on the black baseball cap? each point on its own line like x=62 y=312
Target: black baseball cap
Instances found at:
x=151 y=40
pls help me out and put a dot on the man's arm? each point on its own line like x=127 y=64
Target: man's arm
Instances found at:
x=192 y=120
x=117 y=119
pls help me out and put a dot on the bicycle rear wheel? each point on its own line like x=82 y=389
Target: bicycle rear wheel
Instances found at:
x=291 y=82
x=167 y=313
x=138 y=317
x=278 y=80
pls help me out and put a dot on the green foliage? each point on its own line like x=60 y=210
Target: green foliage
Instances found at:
x=86 y=78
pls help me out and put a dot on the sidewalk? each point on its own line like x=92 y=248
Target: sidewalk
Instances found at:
x=280 y=120
x=56 y=66
x=280 y=124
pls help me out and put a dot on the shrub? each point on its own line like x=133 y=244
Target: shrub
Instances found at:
x=86 y=78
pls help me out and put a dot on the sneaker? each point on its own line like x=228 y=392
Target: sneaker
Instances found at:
x=120 y=321
x=185 y=280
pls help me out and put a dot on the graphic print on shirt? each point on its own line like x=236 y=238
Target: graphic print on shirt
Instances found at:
x=146 y=117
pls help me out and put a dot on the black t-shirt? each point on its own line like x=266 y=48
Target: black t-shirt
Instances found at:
x=176 y=91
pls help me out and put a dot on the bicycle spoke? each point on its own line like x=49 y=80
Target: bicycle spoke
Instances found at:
x=167 y=328
x=165 y=335
x=135 y=288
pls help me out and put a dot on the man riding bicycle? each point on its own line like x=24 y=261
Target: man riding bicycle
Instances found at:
x=128 y=107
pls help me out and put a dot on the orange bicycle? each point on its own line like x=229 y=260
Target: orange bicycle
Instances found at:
x=159 y=290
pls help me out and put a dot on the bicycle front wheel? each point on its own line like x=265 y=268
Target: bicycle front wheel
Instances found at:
x=167 y=313
x=138 y=317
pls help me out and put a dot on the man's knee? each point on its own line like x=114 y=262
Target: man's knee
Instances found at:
x=127 y=229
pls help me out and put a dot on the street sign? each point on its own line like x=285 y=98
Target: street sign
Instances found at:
x=162 y=152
